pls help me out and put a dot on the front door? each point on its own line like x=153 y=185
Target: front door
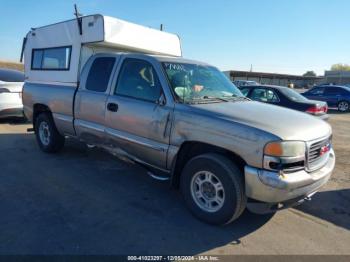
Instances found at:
x=137 y=117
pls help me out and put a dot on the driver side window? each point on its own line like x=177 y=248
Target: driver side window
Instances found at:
x=259 y=94
x=138 y=79
x=264 y=95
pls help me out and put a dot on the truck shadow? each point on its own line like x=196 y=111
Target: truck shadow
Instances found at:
x=85 y=201
x=332 y=206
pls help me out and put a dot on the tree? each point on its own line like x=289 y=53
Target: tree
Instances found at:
x=310 y=73
x=340 y=67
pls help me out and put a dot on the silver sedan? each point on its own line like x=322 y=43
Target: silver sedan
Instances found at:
x=11 y=84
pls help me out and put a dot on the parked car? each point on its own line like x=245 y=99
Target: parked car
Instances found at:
x=335 y=96
x=181 y=119
x=286 y=97
x=240 y=83
x=11 y=84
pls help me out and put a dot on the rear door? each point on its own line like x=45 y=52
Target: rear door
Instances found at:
x=138 y=117
x=90 y=101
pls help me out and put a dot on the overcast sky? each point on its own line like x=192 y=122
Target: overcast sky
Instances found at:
x=290 y=36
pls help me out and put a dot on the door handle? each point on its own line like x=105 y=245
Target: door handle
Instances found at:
x=112 y=107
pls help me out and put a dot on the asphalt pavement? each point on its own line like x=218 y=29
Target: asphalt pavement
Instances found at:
x=85 y=201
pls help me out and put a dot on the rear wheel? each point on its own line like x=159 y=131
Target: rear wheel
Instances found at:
x=343 y=106
x=47 y=136
x=213 y=189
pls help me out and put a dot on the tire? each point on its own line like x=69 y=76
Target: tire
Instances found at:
x=47 y=136
x=218 y=169
x=343 y=106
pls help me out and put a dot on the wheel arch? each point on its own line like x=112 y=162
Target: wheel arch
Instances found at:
x=190 y=149
x=39 y=108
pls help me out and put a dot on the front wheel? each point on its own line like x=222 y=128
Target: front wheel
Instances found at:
x=343 y=106
x=213 y=189
x=47 y=136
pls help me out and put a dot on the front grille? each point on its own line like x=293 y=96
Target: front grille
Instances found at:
x=318 y=153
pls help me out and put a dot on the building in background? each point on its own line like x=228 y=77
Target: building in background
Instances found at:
x=337 y=77
x=275 y=79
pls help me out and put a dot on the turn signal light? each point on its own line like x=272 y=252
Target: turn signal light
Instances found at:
x=285 y=149
x=274 y=149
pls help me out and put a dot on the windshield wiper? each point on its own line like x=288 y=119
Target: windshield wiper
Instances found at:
x=206 y=99
x=215 y=98
x=236 y=97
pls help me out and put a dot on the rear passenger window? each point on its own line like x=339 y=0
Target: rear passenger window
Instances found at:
x=317 y=91
x=138 y=79
x=99 y=74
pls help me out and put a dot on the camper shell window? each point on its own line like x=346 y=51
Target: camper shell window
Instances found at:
x=55 y=58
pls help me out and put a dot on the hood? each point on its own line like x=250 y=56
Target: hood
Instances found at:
x=285 y=123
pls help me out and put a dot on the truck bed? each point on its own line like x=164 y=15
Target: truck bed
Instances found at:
x=59 y=98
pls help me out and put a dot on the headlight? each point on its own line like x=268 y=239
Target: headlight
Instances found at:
x=284 y=155
x=285 y=149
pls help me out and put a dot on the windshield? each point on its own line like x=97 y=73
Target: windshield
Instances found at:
x=293 y=95
x=8 y=75
x=198 y=83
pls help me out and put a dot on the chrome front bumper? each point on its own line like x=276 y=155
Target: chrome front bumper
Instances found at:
x=273 y=187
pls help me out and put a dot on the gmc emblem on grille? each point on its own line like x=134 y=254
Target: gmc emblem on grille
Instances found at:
x=325 y=149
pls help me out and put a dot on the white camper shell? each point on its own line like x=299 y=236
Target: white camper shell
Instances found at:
x=57 y=53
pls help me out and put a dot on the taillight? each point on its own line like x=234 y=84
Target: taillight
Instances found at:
x=316 y=110
x=4 y=90
x=325 y=108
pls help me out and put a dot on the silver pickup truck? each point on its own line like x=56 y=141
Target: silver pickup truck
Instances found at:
x=184 y=120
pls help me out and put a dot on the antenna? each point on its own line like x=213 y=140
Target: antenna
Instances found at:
x=23 y=47
x=79 y=19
